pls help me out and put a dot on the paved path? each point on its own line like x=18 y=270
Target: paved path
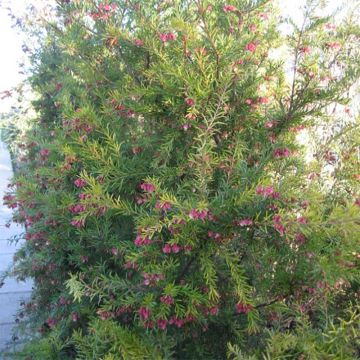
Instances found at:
x=12 y=292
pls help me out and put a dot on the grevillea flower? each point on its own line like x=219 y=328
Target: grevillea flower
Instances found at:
x=177 y=322
x=357 y=202
x=229 y=8
x=147 y=187
x=175 y=248
x=252 y=27
x=243 y=308
x=244 y=222
x=141 y=241
x=198 y=214
x=138 y=42
x=164 y=37
x=77 y=208
x=251 y=46
x=166 y=206
x=278 y=153
x=263 y=100
x=78 y=223
x=44 y=153
x=190 y=102
x=270 y=124
x=278 y=226
x=214 y=310
x=51 y=322
x=333 y=45
x=80 y=183
x=161 y=323
x=215 y=235
x=166 y=249
x=144 y=313
x=167 y=299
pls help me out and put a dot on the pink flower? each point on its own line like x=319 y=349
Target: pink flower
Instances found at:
x=198 y=214
x=229 y=8
x=144 y=313
x=214 y=310
x=166 y=206
x=306 y=49
x=164 y=37
x=270 y=124
x=252 y=27
x=147 y=187
x=78 y=223
x=139 y=42
x=51 y=322
x=357 y=202
x=161 y=323
x=243 y=308
x=278 y=226
x=299 y=238
x=186 y=127
x=333 y=45
x=167 y=299
x=148 y=324
x=330 y=26
x=244 y=222
x=248 y=101
x=190 y=102
x=278 y=153
x=263 y=100
x=44 y=153
x=251 y=47
x=141 y=241
x=166 y=249
x=175 y=248
x=80 y=183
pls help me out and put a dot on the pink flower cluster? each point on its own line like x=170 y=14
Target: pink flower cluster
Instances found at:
x=10 y=201
x=77 y=208
x=44 y=153
x=278 y=226
x=138 y=42
x=166 y=206
x=199 y=214
x=251 y=46
x=80 y=183
x=152 y=279
x=78 y=126
x=284 y=152
x=78 y=223
x=167 y=299
x=267 y=191
x=105 y=12
x=270 y=124
x=168 y=249
x=229 y=8
x=215 y=235
x=244 y=222
x=190 y=102
x=141 y=240
x=144 y=313
x=243 y=308
x=165 y=37
x=147 y=187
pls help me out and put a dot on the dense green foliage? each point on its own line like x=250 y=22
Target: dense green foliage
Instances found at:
x=170 y=210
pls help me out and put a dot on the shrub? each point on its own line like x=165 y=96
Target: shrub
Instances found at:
x=170 y=209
